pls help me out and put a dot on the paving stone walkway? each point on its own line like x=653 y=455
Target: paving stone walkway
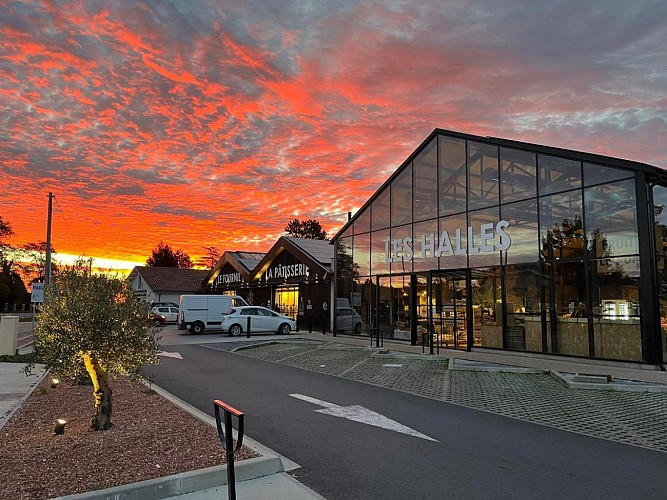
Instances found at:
x=636 y=418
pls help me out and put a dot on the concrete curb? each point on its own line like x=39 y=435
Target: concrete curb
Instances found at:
x=608 y=386
x=186 y=482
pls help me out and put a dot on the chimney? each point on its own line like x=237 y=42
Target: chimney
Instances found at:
x=349 y=216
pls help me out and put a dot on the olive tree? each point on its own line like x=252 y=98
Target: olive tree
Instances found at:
x=93 y=323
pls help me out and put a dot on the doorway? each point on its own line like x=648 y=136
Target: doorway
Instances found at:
x=443 y=317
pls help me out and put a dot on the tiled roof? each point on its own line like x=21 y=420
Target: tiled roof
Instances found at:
x=171 y=279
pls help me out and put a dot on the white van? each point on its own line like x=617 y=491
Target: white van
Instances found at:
x=199 y=312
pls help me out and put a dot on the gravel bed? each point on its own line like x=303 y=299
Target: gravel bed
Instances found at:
x=150 y=438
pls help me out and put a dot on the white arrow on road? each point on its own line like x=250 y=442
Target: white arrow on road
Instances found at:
x=358 y=413
x=176 y=355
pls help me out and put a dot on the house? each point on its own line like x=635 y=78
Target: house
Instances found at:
x=165 y=284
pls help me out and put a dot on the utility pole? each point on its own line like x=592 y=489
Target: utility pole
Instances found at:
x=47 y=278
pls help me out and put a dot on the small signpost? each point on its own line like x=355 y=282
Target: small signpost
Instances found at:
x=36 y=297
x=227 y=440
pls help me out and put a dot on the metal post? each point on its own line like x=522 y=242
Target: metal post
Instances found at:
x=248 y=327
x=47 y=271
x=310 y=322
x=324 y=323
x=227 y=440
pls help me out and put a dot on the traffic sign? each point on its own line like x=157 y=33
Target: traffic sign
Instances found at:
x=37 y=295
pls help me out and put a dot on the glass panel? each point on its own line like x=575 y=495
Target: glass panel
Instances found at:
x=363 y=222
x=362 y=254
x=611 y=219
x=660 y=216
x=454 y=256
x=615 y=299
x=561 y=231
x=570 y=299
x=287 y=300
x=482 y=224
x=379 y=242
x=401 y=249
x=401 y=197
x=447 y=315
x=345 y=268
x=558 y=174
x=401 y=287
x=361 y=301
x=421 y=294
x=380 y=213
x=348 y=232
x=453 y=182
x=597 y=174
x=483 y=177
x=518 y=175
x=523 y=321
x=487 y=308
x=523 y=231
x=425 y=245
x=426 y=182
x=386 y=312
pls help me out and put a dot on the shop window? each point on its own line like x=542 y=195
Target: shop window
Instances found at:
x=401 y=197
x=482 y=175
x=568 y=319
x=611 y=219
x=362 y=254
x=426 y=245
x=456 y=228
x=558 y=174
x=402 y=249
x=287 y=300
x=453 y=183
x=598 y=174
x=523 y=321
x=426 y=183
x=523 y=230
x=345 y=265
x=614 y=285
x=381 y=210
x=660 y=220
x=483 y=253
x=561 y=226
x=362 y=224
x=379 y=248
x=487 y=307
x=518 y=175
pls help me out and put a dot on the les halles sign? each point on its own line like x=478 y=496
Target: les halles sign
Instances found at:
x=491 y=236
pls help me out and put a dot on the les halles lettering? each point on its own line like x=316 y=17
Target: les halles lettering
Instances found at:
x=491 y=236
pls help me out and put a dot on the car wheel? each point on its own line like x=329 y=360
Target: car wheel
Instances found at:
x=357 y=329
x=235 y=330
x=284 y=329
x=197 y=327
x=157 y=322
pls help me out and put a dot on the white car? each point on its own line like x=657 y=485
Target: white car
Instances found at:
x=348 y=320
x=162 y=315
x=235 y=322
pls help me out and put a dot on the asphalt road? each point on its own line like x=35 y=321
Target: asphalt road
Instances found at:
x=477 y=454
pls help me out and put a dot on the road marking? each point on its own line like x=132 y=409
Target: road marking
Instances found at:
x=358 y=413
x=392 y=365
x=176 y=355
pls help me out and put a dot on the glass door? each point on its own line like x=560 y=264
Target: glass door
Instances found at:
x=442 y=310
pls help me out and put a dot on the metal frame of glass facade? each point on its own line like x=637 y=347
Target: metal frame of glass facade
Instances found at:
x=555 y=245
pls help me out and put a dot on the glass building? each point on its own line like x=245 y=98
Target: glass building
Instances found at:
x=478 y=242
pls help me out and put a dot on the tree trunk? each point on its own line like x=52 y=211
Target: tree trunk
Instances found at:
x=101 y=420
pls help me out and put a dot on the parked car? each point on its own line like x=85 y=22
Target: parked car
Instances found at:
x=235 y=322
x=348 y=320
x=163 y=315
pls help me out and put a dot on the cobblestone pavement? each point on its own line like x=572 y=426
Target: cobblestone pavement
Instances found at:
x=636 y=418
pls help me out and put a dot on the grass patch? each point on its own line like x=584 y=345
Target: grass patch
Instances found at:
x=30 y=357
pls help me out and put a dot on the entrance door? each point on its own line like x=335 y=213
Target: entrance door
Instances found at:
x=442 y=317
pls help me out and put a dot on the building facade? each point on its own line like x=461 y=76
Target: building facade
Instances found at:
x=478 y=242
x=295 y=277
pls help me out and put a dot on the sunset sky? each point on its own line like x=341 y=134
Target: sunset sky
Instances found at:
x=213 y=122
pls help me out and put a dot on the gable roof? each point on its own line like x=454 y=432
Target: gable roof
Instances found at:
x=317 y=253
x=170 y=279
x=243 y=262
x=652 y=170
